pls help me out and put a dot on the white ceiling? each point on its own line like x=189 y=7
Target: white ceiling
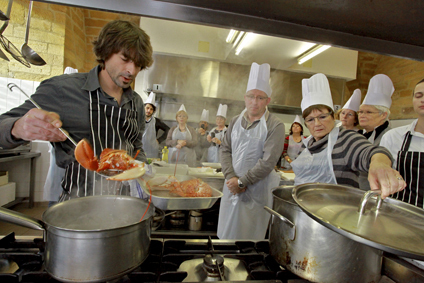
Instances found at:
x=187 y=40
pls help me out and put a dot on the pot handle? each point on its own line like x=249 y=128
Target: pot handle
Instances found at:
x=20 y=219
x=284 y=219
x=365 y=199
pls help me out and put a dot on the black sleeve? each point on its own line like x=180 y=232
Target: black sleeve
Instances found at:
x=161 y=126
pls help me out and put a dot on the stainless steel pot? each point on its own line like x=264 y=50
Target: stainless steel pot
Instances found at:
x=314 y=252
x=92 y=239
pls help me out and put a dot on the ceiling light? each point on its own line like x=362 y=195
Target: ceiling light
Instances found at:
x=239 y=36
x=230 y=35
x=314 y=51
x=243 y=42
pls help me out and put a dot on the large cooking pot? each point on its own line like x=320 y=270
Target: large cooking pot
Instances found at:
x=92 y=239
x=314 y=252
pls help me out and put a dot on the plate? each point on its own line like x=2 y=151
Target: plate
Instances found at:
x=212 y=165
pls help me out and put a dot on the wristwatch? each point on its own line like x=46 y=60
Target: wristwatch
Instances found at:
x=240 y=184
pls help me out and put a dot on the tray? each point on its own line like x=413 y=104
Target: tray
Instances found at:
x=212 y=165
x=163 y=200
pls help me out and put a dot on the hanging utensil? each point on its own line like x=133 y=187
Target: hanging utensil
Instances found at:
x=3 y=16
x=29 y=54
x=12 y=85
x=7 y=45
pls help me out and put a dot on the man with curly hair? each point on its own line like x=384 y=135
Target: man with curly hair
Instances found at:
x=99 y=106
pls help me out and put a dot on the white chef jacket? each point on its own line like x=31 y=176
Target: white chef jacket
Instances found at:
x=393 y=140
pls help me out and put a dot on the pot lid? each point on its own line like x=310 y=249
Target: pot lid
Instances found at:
x=394 y=227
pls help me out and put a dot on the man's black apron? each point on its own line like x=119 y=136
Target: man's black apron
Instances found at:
x=409 y=164
x=111 y=127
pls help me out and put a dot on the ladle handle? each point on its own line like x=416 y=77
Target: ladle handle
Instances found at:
x=12 y=85
x=366 y=198
x=28 y=22
x=6 y=23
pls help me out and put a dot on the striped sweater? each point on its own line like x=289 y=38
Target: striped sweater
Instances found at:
x=351 y=154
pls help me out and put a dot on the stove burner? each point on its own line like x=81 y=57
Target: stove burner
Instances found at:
x=214 y=265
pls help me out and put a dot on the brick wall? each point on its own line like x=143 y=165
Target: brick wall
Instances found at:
x=404 y=74
x=46 y=37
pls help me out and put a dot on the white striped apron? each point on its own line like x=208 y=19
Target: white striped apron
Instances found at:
x=111 y=127
x=409 y=164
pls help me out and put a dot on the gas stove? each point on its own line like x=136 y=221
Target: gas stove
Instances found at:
x=190 y=260
x=21 y=260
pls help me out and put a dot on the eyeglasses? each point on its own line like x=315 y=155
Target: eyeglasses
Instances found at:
x=360 y=112
x=260 y=98
x=347 y=114
x=320 y=118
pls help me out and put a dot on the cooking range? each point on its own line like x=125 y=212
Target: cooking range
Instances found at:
x=190 y=260
x=168 y=261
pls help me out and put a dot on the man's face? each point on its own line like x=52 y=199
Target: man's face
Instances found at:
x=256 y=102
x=149 y=110
x=205 y=125
x=121 y=70
x=418 y=99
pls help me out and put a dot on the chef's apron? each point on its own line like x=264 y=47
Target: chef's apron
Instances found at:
x=111 y=127
x=52 y=187
x=242 y=216
x=409 y=164
x=150 y=143
x=186 y=155
x=317 y=167
x=292 y=150
x=213 y=151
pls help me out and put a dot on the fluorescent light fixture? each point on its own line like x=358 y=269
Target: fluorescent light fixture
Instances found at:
x=230 y=35
x=239 y=36
x=314 y=51
x=243 y=42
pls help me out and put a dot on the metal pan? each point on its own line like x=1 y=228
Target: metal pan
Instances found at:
x=165 y=201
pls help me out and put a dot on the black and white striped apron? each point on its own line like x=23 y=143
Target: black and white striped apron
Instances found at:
x=111 y=127
x=409 y=164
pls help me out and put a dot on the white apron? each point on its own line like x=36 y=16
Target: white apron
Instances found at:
x=150 y=143
x=292 y=151
x=186 y=155
x=243 y=216
x=52 y=188
x=213 y=151
x=313 y=168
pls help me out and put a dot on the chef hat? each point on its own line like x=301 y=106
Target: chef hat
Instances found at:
x=151 y=99
x=354 y=101
x=259 y=78
x=316 y=90
x=380 y=90
x=205 y=115
x=182 y=108
x=70 y=70
x=222 y=110
x=297 y=120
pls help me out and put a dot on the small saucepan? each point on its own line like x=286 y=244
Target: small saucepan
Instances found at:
x=92 y=239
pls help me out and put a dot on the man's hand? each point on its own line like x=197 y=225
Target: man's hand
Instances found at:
x=383 y=177
x=201 y=131
x=232 y=185
x=38 y=125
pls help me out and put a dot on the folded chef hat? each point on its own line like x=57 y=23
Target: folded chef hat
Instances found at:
x=259 y=78
x=205 y=115
x=151 y=99
x=316 y=90
x=354 y=101
x=182 y=108
x=70 y=70
x=222 y=110
x=297 y=120
x=380 y=90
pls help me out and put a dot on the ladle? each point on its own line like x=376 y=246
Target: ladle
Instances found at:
x=3 y=16
x=12 y=85
x=27 y=52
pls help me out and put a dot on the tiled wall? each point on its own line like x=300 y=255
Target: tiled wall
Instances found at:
x=10 y=99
